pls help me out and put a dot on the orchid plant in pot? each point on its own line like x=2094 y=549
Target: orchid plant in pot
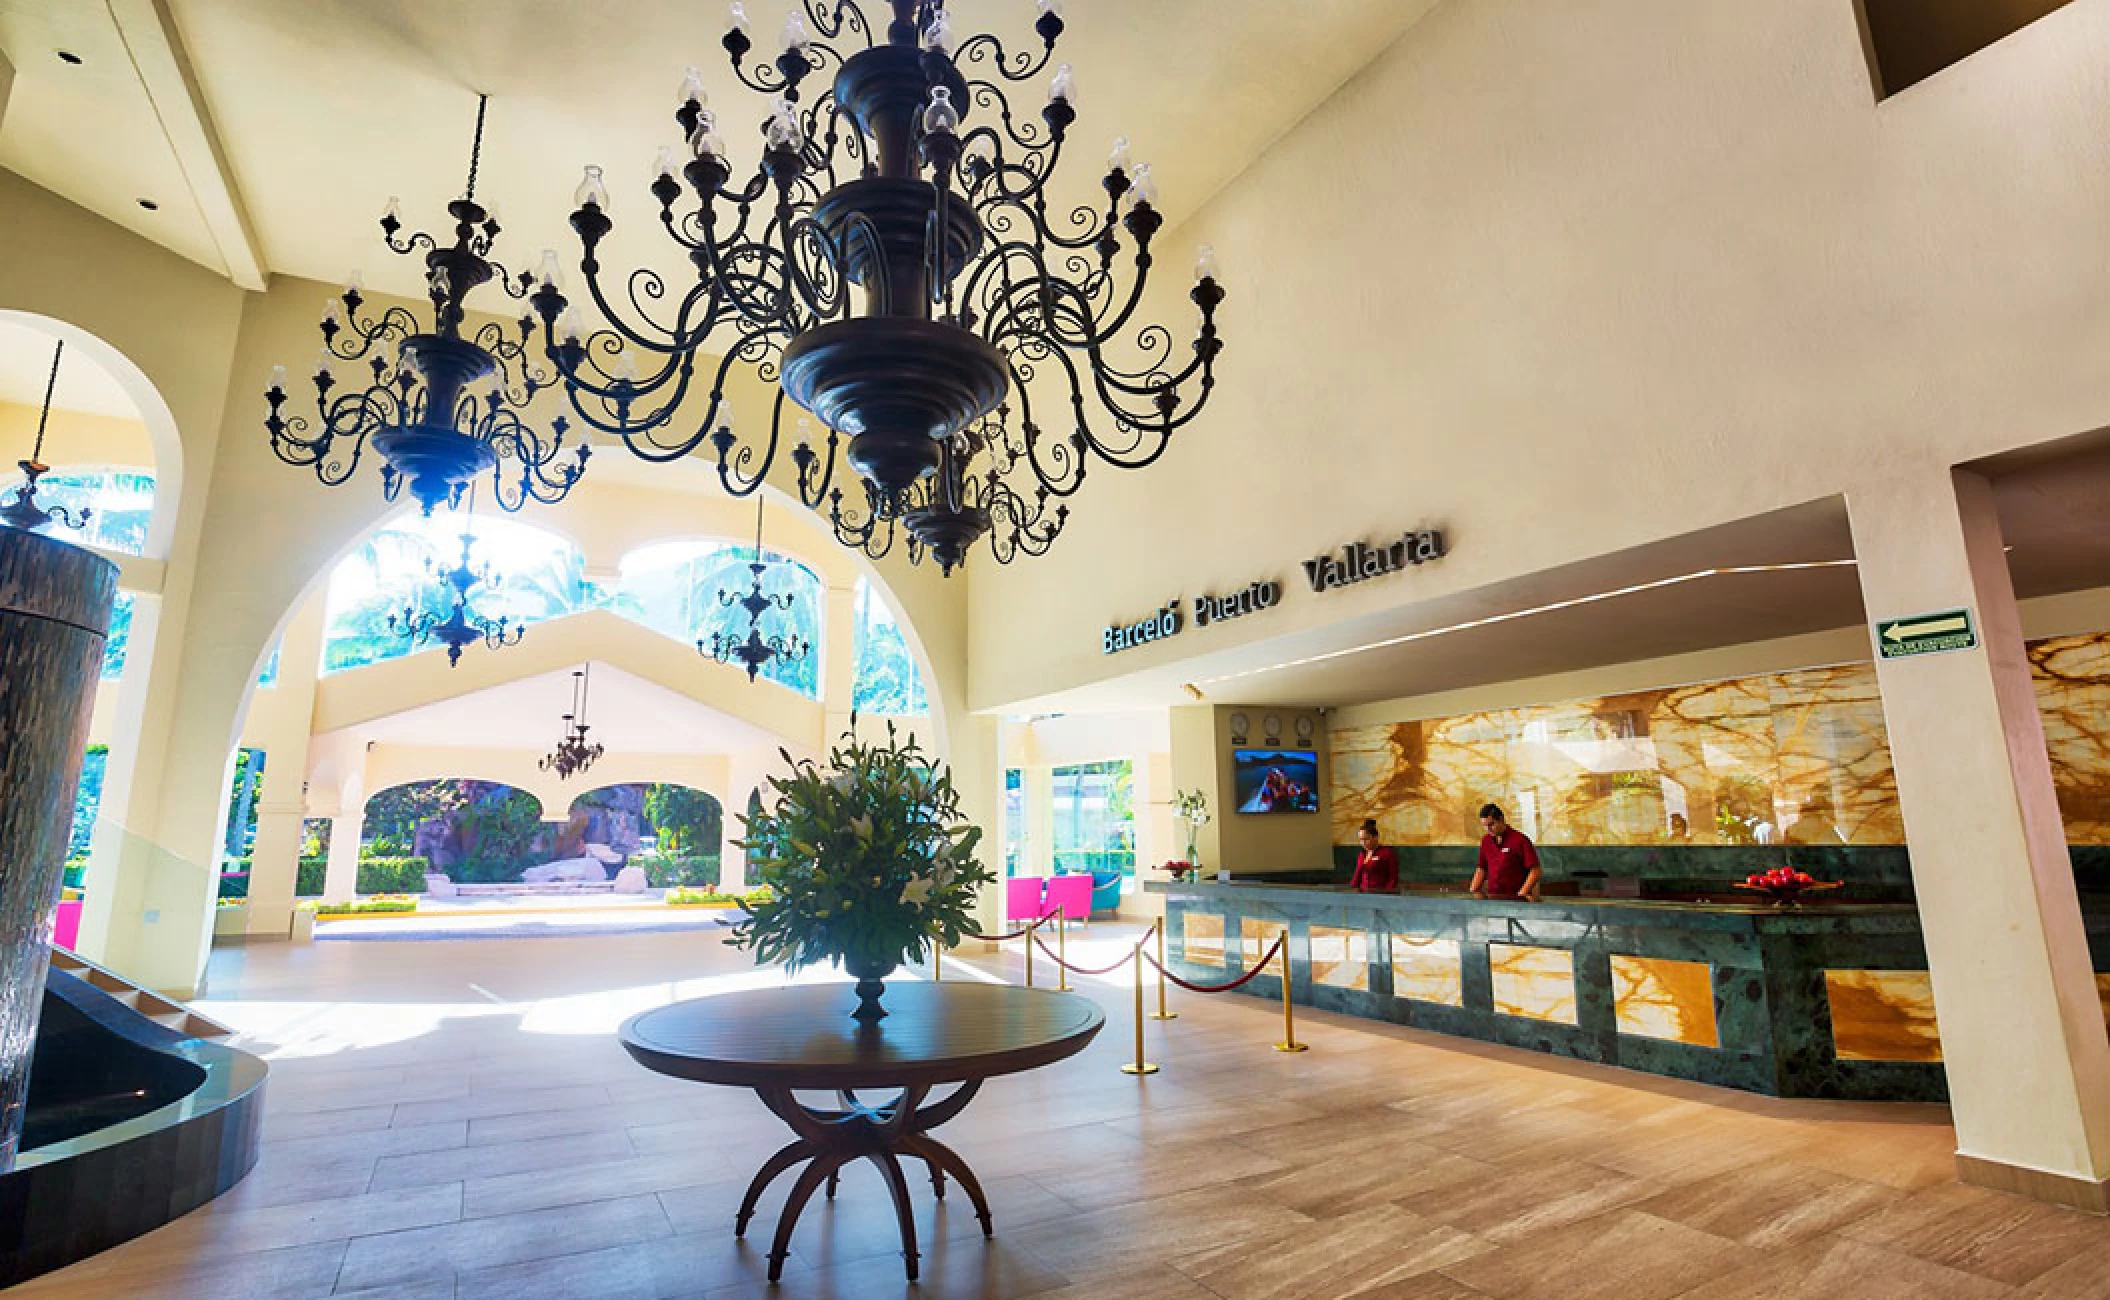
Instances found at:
x=868 y=862
x=1191 y=807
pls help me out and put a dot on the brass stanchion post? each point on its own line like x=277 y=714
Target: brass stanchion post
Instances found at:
x=1062 y=951
x=937 y=961
x=1162 y=1013
x=1289 y=1041
x=1032 y=929
x=1139 y=1065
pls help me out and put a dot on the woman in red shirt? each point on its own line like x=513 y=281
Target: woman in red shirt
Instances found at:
x=1376 y=867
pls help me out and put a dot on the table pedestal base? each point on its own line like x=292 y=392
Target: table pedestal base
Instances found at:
x=829 y=1139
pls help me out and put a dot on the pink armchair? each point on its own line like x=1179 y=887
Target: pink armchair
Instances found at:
x=1022 y=898
x=1071 y=894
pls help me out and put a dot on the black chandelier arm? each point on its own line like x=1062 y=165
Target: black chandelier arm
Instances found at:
x=784 y=74
x=543 y=474
x=986 y=48
x=831 y=19
x=872 y=534
x=742 y=470
x=1026 y=134
x=362 y=335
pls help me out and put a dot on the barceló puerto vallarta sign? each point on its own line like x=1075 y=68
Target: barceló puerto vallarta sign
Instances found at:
x=1353 y=563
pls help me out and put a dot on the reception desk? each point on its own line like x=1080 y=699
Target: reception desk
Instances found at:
x=1817 y=1001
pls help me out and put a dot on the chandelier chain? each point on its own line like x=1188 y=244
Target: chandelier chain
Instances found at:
x=51 y=385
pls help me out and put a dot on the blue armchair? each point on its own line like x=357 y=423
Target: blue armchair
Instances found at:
x=1106 y=892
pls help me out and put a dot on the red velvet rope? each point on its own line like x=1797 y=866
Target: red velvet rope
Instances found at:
x=1086 y=970
x=998 y=938
x=1265 y=959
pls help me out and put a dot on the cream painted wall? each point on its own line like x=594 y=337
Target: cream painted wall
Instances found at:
x=1569 y=278
x=74 y=438
x=1249 y=843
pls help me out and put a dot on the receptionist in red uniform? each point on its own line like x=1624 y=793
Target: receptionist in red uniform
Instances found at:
x=1376 y=867
x=1509 y=862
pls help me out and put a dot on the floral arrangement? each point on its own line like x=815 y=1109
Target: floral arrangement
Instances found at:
x=867 y=860
x=1181 y=869
x=1786 y=884
x=1191 y=807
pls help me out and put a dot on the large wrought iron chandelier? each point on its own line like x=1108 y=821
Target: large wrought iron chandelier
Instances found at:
x=459 y=629
x=755 y=651
x=440 y=409
x=970 y=288
x=22 y=510
x=574 y=754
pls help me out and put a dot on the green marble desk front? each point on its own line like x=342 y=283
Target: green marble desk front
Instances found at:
x=1810 y=1002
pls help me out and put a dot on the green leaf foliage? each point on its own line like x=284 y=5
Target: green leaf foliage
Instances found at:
x=868 y=858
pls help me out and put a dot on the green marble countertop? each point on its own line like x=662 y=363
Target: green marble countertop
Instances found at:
x=1604 y=911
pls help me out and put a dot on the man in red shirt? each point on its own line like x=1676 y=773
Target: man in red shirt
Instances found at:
x=1509 y=862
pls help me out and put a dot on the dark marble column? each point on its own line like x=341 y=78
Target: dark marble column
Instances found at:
x=54 y=611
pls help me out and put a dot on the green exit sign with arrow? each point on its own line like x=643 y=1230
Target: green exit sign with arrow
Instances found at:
x=1925 y=634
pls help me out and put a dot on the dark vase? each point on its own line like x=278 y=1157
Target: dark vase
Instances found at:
x=871 y=973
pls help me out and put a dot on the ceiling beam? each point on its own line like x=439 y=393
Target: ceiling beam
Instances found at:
x=155 y=45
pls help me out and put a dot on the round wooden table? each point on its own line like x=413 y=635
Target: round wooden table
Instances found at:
x=802 y=1039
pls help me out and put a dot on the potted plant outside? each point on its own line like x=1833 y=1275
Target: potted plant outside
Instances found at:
x=866 y=861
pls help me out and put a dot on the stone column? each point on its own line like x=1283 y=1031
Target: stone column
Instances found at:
x=1038 y=782
x=340 y=880
x=838 y=653
x=275 y=860
x=744 y=774
x=2014 y=990
x=54 y=612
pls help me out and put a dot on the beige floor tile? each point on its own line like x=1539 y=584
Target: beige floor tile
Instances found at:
x=1622 y=1255
x=296 y=1273
x=391 y=1257
x=458 y=1164
x=1829 y=1268
x=1991 y=1234
x=1525 y=1202
x=1340 y=1257
x=1771 y=1205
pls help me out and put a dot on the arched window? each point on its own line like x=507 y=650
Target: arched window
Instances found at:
x=119 y=503
x=888 y=681
x=119 y=639
x=673 y=588
x=538 y=575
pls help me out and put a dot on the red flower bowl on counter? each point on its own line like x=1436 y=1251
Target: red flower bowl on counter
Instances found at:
x=1785 y=885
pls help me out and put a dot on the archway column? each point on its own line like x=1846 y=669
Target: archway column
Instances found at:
x=340 y=881
x=2014 y=990
x=838 y=660
x=745 y=774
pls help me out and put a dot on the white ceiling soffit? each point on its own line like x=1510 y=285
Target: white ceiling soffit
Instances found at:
x=127 y=123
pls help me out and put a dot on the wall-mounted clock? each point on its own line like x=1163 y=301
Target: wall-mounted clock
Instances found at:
x=1305 y=729
x=1238 y=728
x=1272 y=725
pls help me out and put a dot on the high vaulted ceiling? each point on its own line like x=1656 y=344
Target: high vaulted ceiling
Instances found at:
x=83 y=384
x=272 y=132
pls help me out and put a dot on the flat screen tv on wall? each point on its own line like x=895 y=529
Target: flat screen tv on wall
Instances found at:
x=1276 y=780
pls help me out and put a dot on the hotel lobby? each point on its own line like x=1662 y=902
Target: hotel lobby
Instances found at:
x=1447 y=649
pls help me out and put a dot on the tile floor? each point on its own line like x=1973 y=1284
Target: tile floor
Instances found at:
x=454 y=1121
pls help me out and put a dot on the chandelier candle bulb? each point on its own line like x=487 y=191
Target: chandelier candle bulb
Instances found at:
x=278 y=379
x=592 y=189
x=941 y=118
x=692 y=91
x=1205 y=263
x=392 y=215
x=938 y=35
x=1117 y=158
x=1143 y=188
x=550 y=272
x=796 y=37
x=1064 y=86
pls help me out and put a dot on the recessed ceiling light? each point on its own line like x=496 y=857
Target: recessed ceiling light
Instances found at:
x=150 y=205
x=68 y=56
